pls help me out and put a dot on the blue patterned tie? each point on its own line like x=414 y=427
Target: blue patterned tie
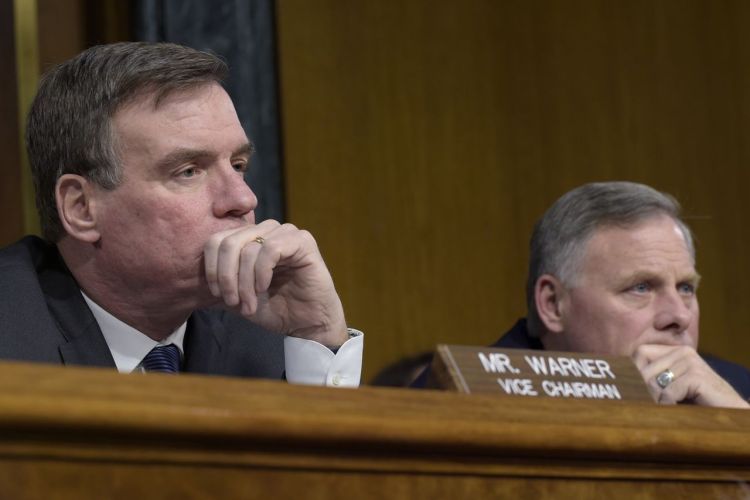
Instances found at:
x=162 y=358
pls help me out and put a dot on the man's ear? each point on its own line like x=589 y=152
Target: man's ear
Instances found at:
x=76 y=206
x=549 y=294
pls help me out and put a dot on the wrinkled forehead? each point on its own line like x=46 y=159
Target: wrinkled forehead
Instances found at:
x=660 y=225
x=194 y=109
x=154 y=98
x=200 y=121
x=655 y=243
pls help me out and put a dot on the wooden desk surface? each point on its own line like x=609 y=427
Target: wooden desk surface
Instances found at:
x=93 y=433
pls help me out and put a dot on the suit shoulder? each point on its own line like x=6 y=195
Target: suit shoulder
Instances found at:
x=737 y=375
x=26 y=250
x=28 y=330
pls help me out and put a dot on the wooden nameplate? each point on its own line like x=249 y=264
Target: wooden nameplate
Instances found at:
x=535 y=373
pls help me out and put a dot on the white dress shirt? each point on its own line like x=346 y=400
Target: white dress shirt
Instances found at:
x=306 y=361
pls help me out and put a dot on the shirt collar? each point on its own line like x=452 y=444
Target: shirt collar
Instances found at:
x=127 y=345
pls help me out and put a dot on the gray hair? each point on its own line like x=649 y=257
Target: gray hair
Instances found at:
x=69 y=125
x=560 y=236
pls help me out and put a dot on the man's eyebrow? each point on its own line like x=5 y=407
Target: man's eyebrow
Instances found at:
x=645 y=275
x=247 y=149
x=186 y=155
x=634 y=277
x=183 y=155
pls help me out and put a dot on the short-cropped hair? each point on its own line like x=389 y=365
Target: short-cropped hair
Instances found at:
x=558 y=243
x=69 y=124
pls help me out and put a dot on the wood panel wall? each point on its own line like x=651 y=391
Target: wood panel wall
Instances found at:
x=64 y=28
x=11 y=226
x=423 y=138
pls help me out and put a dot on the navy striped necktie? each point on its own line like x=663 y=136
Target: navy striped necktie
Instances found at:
x=162 y=358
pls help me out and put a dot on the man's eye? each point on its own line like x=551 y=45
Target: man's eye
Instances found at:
x=686 y=288
x=240 y=166
x=641 y=288
x=188 y=173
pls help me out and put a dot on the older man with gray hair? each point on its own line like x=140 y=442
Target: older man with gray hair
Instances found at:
x=612 y=271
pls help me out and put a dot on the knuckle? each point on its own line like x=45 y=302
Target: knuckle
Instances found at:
x=226 y=279
x=268 y=225
x=248 y=309
x=686 y=351
x=229 y=245
x=307 y=237
x=245 y=296
x=640 y=351
x=271 y=249
x=248 y=251
x=214 y=241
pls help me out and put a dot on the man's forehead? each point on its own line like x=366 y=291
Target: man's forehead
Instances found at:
x=152 y=99
x=650 y=245
x=186 y=118
x=656 y=227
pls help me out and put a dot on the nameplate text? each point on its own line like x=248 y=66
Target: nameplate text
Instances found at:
x=532 y=373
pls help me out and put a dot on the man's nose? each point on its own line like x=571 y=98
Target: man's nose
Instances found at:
x=674 y=312
x=232 y=196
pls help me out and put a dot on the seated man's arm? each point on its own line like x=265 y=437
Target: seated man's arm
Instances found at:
x=274 y=276
x=311 y=363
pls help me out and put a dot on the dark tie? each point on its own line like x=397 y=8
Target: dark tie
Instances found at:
x=162 y=358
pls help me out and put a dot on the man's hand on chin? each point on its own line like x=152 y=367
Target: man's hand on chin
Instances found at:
x=675 y=374
x=273 y=275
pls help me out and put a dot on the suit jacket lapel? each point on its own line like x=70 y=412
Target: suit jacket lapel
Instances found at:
x=84 y=343
x=204 y=345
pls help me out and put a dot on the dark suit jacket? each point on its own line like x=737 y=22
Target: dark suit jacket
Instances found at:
x=44 y=318
x=737 y=376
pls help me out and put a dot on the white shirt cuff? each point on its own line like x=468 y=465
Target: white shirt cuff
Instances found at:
x=311 y=363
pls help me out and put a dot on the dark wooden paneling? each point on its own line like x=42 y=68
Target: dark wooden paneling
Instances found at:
x=11 y=227
x=62 y=30
x=66 y=27
x=424 y=138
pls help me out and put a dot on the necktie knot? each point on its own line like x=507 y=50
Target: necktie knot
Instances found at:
x=162 y=358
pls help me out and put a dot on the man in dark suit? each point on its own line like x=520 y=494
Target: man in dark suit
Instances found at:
x=612 y=271
x=152 y=256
